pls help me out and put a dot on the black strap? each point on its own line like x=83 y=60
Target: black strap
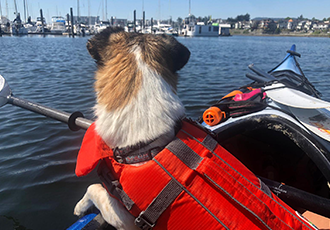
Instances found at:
x=113 y=186
x=209 y=142
x=147 y=218
x=142 y=152
x=188 y=156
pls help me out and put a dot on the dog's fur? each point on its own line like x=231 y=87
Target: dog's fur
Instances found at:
x=136 y=101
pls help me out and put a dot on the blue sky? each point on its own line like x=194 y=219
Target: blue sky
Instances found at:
x=163 y=9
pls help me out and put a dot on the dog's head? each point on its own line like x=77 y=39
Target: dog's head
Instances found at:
x=123 y=59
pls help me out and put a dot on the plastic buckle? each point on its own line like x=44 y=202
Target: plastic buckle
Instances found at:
x=143 y=223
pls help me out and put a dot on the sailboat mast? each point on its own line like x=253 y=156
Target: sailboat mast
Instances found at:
x=24 y=4
x=0 y=11
x=78 y=12
x=103 y=10
x=189 y=8
x=27 y=8
x=159 y=11
x=15 y=7
x=7 y=9
x=106 y=10
x=89 y=12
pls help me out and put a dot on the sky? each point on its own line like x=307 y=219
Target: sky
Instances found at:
x=164 y=9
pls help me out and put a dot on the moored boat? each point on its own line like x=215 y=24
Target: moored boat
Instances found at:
x=18 y=28
x=58 y=25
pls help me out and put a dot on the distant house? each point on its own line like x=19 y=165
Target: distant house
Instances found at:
x=321 y=26
x=238 y=25
x=283 y=24
x=301 y=25
x=290 y=25
x=308 y=25
x=267 y=24
x=243 y=25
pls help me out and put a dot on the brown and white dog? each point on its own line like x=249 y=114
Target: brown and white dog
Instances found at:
x=136 y=85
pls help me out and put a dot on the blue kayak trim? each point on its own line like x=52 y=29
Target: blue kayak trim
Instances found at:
x=82 y=222
x=288 y=63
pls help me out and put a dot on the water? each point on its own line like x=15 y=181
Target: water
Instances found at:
x=38 y=188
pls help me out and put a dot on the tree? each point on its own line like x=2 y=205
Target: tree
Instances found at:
x=255 y=24
x=301 y=17
x=205 y=20
x=277 y=31
x=231 y=20
x=245 y=17
x=179 y=21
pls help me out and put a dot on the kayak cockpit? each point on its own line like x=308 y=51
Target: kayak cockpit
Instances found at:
x=276 y=148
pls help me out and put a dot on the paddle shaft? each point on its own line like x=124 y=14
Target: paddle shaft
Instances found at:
x=74 y=120
x=299 y=198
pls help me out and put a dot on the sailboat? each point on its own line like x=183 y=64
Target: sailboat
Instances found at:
x=17 y=26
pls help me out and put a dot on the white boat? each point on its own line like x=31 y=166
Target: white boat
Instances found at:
x=161 y=28
x=58 y=25
x=101 y=26
x=5 y=24
x=199 y=29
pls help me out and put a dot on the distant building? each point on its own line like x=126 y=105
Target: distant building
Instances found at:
x=243 y=25
x=301 y=25
x=282 y=24
x=321 y=26
x=92 y=20
x=290 y=25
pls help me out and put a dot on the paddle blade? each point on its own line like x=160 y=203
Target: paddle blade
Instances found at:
x=5 y=91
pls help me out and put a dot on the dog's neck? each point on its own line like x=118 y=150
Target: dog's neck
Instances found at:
x=153 y=112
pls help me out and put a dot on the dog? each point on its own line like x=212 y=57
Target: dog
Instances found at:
x=136 y=102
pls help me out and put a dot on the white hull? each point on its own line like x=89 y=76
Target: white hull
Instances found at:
x=200 y=31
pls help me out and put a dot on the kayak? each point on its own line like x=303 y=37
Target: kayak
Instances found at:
x=283 y=136
x=279 y=127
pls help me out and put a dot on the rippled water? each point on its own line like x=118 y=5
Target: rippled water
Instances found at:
x=38 y=188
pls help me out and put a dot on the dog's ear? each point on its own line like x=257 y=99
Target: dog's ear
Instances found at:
x=99 y=42
x=179 y=53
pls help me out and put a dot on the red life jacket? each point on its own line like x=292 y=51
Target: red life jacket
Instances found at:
x=193 y=183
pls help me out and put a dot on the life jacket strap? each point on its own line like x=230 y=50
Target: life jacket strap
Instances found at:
x=147 y=218
x=113 y=186
x=142 y=152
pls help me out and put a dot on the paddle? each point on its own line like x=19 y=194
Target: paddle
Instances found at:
x=75 y=120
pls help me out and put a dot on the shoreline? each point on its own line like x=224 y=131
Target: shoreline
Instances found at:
x=238 y=32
